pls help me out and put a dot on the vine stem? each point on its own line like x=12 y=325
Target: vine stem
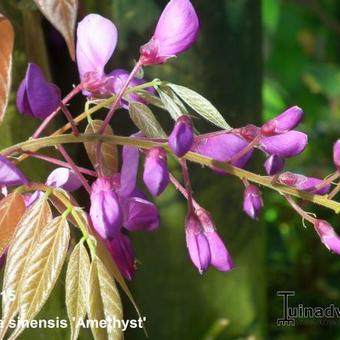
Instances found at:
x=267 y=181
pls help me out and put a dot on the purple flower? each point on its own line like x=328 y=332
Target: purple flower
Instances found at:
x=284 y=122
x=182 y=136
x=252 y=201
x=328 y=236
x=177 y=29
x=121 y=250
x=222 y=148
x=31 y=198
x=37 y=97
x=156 y=174
x=96 y=41
x=105 y=209
x=286 y=145
x=336 y=154
x=9 y=174
x=64 y=178
x=273 y=165
x=304 y=183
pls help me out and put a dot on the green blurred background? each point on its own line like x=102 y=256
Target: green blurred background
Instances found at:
x=253 y=59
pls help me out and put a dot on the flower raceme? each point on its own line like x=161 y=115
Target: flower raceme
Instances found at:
x=176 y=31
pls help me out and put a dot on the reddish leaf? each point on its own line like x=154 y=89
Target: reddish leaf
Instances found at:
x=12 y=207
x=6 y=48
x=63 y=15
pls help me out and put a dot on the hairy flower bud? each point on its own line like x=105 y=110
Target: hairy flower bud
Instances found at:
x=273 y=165
x=336 y=154
x=36 y=97
x=121 y=250
x=328 y=236
x=105 y=210
x=177 y=29
x=156 y=174
x=284 y=122
x=286 y=145
x=64 y=178
x=9 y=174
x=252 y=201
x=182 y=136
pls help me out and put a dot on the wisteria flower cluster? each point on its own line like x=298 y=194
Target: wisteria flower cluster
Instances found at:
x=119 y=204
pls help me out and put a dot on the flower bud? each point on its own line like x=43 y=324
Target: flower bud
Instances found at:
x=286 y=145
x=328 y=236
x=121 y=250
x=182 y=136
x=156 y=174
x=140 y=214
x=197 y=243
x=284 y=122
x=105 y=210
x=64 y=178
x=37 y=97
x=252 y=201
x=177 y=29
x=336 y=154
x=9 y=174
x=273 y=165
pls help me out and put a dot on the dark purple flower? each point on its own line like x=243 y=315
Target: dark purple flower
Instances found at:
x=105 y=209
x=252 y=201
x=121 y=250
x=156 y=174
x=9 y=174
x=286 y=145
x=64 y=178
x=182 y=136
x=336 y=154
x=273 y=165
x=222 y=148
x=328 y=236
x=284 y=122
x=304 y=183
x=37 y=97
x=140 y=215
x=177 y=29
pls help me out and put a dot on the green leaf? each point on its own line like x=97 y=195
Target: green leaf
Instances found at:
x=145 y=120
x=150 y=98
x=77 y=287
x=201 y=105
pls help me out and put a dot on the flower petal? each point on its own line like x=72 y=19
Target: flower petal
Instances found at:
x=9 y=174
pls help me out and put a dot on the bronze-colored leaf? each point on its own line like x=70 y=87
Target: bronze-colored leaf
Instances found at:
x=22 y=245
x=63 y=15
x=104 y=302
x=77 y=279
x=6 y=48
x=109 y=151
x=43 y=267
x=12 y=207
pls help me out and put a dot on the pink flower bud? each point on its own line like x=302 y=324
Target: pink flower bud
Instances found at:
x=64 y=178
x=105 y=210
x=156 y=174
x=328 y=236
x=177 y=29
x=336 y=154
x=252 y=201
x=284 y=122
x=182 y=136
x=121 y=250
x=273 y=165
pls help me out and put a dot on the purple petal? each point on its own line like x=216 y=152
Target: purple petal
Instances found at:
x=96 y=41
x=310 y=183
x=182 y=136
x=336 y=154
x=252 y=201
x=140 y=214
x=222 y=148
x=30 y=199
x=273 y=165
x=64 y=178
x=121 y=250
x=22 y=100
x=9 y=174
x=220 y=257
x=328 y=236
x=285 y=145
